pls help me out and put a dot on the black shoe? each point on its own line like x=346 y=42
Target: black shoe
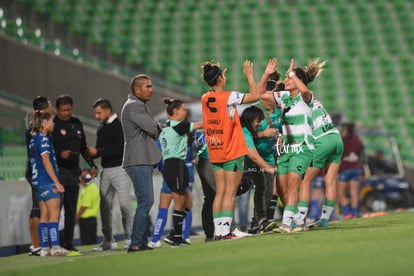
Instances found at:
x=35 y=252
x=254 y=226
x=133 y=249
x=69 y=246
x=169 y=239
x=267 y=226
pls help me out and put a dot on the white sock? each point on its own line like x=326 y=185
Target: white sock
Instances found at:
x=287 y=217
x=326 y=212
x=303 y=212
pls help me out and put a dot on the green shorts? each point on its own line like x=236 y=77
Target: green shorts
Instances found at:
x=294 y=161
x=233 y=165
x=328 y=149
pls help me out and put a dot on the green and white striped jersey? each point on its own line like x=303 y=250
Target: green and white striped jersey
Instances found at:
x=322 y=122
x=297 y=119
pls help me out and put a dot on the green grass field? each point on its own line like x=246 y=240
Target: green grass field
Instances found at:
x=382 y=245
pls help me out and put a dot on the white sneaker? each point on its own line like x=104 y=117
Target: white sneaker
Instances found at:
x=154 y=245
x=127 y=243
x=236 y=232
x=187 y=241
x=45 y=252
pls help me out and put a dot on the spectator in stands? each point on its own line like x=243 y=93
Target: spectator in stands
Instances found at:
x=141 y=154
x=87 y=209
x=224 y=138
x=40 y=104
x=173 y=140
x=295 y=104
x=69 y=142
x=350 y=172
x=46 y=183
x=114 y=179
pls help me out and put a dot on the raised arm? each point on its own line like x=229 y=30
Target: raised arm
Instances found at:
x=270 y=69
x=254 y=93
x=303 y=89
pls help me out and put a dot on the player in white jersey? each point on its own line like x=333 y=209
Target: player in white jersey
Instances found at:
x=327 y=155
x=296 y=151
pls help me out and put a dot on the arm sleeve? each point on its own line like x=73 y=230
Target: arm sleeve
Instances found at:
x=142 y=118
x=183 y=128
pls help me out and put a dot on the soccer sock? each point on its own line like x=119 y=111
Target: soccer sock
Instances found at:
x=327 y=208
x=346 y=210
x=288 y=214
x=270 y=212
x=43 y=234
x=53 y=228
x=314 y=209
x=227 y=217
x=160 y=224
x=178 y=217
x=303 y=207
x=187 y=224
x=354 y=212
x=217 y=223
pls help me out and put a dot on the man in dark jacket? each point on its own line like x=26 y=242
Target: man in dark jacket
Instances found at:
x=69 y=142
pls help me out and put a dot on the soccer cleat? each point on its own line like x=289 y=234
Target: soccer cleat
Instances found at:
x=169 y=239
x=155 y=245
x=347 y=216
x=59 y=251
x=319 y=224
x=267 y=226
x=282 y=229
x=35 y=251
x=44 y=252
x=230 y=236
x=127 y=243
x=298 y=228
x=187 y=241
x=240 y=234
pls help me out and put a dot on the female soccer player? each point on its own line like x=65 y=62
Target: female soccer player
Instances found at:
x=173 y=140
x=46 y=183
x=225 y=141
x=296 y=152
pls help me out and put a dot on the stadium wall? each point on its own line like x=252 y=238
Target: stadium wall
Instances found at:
x=29 y=71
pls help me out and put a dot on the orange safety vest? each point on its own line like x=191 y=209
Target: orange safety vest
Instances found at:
x=224 y=136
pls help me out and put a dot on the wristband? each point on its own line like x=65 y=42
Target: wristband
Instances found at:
x=291 y=74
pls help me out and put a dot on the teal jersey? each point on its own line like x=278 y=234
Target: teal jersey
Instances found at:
x=266 y=146
x=297 y=119
x=322 y=122
x=248 y=137
x=173 y=139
